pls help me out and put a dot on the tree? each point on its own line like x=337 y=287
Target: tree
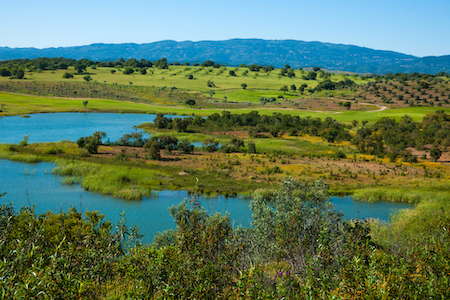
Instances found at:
x=85 y=103
x=185 y=147
x=210 y=145
x=293 y=87
x=211 y=93
x=87 y=78
x=435 y=153
x=354 y=123
x=161 y=63
x=128 y=71
x=5 y=72
x=232 y=73
x=18 y=74
x=113 y=71
x=207 y=63
x=153 y=149
x=180 y=124
x=210 y=83
x=244 y=85
x=251 y=148
x=80 y=68
x=190 y=76
x=190 y=102
x=90 y=143
x=296 y=223
x=143 y=71
x=347 y=104
x=67 y=75
x=284 y=88
x=290 y=73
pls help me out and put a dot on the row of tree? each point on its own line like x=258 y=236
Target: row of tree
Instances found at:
x=257 y=125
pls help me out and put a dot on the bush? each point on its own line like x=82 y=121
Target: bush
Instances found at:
x=185 y=147
x=153 y=149
x=128 y=71
x=67 y=75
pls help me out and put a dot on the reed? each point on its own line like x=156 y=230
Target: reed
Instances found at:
x=118 y=181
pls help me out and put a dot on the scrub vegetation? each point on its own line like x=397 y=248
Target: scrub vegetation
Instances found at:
x=287 y=139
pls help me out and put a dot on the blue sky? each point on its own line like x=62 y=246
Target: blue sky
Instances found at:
x=420 y=28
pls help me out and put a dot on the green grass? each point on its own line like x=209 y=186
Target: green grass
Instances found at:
x=7 y=153
x=25 y=104
x=118 y=181
x=145 y=87
x=417 y=224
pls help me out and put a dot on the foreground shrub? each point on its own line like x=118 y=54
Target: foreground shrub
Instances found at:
x=56 y=255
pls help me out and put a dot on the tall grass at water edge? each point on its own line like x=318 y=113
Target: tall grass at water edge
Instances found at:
x=118 y=181
x=432 y=203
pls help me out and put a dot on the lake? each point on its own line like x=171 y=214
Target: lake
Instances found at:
x=33 y=184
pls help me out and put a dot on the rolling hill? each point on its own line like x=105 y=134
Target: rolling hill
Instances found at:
x=238 y=51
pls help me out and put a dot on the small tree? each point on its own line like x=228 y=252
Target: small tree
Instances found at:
x=191 y=77
x=18 y=74
x=251 y=148
x=113 y=71
x=85 y=103
x=80 y=68
x=284 y=88
x=190 y=102
x=128 y=71
x=210 y=83
x=154 y=149
x=347 y=104
x=24 y=142
x=185 y=147
x=293 y=87
x=211 y=93
x=244 y=85
x=68 y=75
x=435 y=153
x=290 y=73
x=210 y=145
x=87 y=78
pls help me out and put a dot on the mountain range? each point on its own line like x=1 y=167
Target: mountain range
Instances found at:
x=278 y=53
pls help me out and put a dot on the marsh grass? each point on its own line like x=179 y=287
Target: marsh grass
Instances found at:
x=410 y=226
x=425 y=192
x=118 y=181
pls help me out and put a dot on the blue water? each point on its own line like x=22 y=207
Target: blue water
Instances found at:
x=55 y=127
x=33 y=184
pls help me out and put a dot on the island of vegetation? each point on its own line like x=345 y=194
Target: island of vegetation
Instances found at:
x=286 y=139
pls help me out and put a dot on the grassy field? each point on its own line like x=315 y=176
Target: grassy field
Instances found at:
x=14 y=104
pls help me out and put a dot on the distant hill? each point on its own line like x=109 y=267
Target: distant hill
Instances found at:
x=237 y=51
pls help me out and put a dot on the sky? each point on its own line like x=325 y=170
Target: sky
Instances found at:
x=420 y=28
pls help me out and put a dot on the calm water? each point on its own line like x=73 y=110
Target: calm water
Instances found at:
x=69 y=126
x=34 y=184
